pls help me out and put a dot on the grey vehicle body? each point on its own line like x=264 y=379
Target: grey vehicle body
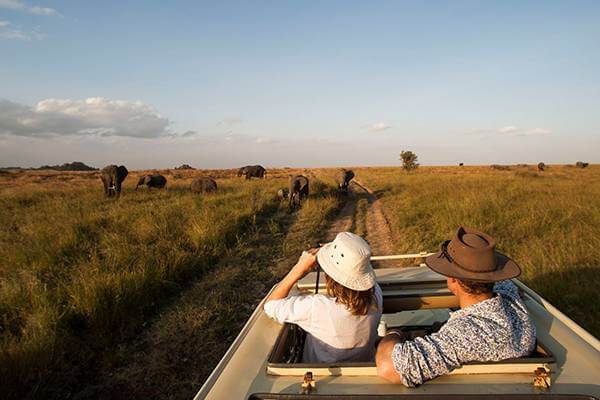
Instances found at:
x=252 y=171
x=112 y=177
x=581 y=164
x=203 y=185
x=152 y=181
x=343 y=178
x=298 y=190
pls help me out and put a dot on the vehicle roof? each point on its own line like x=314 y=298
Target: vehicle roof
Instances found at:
x=242 y=371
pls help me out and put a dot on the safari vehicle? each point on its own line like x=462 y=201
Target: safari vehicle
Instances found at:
x=264 y=360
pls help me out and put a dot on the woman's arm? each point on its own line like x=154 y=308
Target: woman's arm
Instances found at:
x=305 y=263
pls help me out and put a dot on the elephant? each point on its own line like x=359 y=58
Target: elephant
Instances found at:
x=112 y=178
x=298 y=190
x=343 y=179
x=541 y=166
x=203 y=185
x=282 y=194
x=252 y=171
x=152 y=181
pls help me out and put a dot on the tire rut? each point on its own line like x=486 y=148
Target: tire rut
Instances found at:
x=344 y=221
x=377 y=234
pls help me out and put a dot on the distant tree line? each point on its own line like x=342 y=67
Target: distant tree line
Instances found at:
x=73 y=166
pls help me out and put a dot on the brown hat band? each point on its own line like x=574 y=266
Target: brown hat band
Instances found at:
x=446 y=254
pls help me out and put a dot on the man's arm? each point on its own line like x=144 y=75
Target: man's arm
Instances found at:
x=383 y=358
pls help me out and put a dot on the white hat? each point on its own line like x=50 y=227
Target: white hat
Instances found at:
x=347 y=261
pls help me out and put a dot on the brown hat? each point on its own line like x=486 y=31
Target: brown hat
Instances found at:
x=471 y=255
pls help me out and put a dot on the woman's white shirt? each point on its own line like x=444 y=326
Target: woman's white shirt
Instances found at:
x=333 y=333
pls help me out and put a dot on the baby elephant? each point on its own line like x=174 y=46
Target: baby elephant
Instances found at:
x=203 y=185
x=343 y=179
x=298 y=190
x=152 y=181
x=282 y=194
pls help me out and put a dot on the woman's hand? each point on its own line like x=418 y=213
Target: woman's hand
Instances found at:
x=306 y=262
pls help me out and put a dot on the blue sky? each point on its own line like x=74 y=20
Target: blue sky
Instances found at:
x=157 y=84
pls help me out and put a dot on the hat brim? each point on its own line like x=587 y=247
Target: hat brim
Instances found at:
x=360 y=282
x=506 y=269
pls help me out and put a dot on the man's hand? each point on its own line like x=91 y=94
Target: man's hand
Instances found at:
x=397 y=333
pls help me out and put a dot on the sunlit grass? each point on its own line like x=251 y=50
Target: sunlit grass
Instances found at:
x=79 y=272
x=549 y=222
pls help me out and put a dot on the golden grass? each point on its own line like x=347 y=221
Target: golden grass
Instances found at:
x=184 y=345
x=549 y=222
x=81 y=276
x=81 y=273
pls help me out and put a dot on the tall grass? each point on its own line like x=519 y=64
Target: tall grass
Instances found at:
x=79 y=272
x=549 y=222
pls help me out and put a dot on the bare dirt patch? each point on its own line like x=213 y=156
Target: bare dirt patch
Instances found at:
x=369 y=222
x=378 y=231
x=344 y=221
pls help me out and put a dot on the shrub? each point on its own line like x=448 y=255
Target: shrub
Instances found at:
x=184 y=166
x=409 y=160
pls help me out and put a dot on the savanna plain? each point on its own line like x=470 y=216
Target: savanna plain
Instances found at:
x=141 y=296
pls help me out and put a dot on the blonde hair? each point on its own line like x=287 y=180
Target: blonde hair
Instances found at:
x=358 y=302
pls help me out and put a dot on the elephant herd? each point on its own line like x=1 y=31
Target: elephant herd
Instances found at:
x=298 y=189
x=112 y=177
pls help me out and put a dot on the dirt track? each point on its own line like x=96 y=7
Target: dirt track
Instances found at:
x=373 y=220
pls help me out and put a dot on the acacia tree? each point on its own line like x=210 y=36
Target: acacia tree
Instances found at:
x=409 y=160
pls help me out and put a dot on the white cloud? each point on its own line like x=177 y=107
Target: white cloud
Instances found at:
x=42 y=10
x=20 y=6
x=95 y=116
x=537 y=131
x=508 y=129
x=511 y=130
x=264 y=140
x=17 y=33
x=228 y=121
x=379 y=126
x=189 y=133
x=20 y=34
x=515 y=131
